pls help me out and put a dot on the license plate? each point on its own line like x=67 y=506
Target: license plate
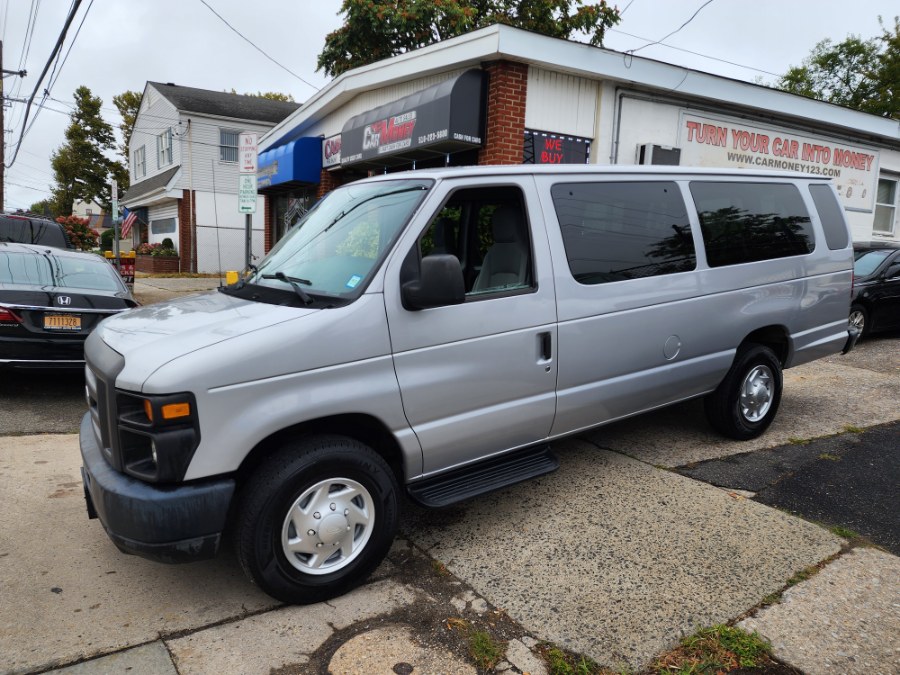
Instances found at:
x=62 y=322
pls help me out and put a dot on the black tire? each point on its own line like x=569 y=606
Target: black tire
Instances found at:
x=745 y=418
x=859 y=317
x=315 y=479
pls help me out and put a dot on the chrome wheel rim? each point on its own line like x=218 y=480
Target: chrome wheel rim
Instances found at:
x=328 y=526
x=757 y=393
x=857 y=320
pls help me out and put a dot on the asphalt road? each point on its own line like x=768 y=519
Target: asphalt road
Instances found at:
x=848 y=480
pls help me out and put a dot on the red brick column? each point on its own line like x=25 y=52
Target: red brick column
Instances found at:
x=505 y=124
x=268 y=224
x=184 y=231
x=328 y=181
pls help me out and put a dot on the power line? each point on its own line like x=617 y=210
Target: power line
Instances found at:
x=59 y=42
x=693 y=16
x=257 y=48
x=54 y=76
x=689 y=51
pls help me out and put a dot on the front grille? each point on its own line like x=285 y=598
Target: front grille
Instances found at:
x=102 y=366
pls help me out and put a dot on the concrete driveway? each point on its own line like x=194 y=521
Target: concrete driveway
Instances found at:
x=613 y=556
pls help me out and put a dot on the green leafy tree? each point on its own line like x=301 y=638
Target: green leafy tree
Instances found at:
x=271 y=95
x=128 y=103
x=856 y=73
x=378 y=29
x=81 y=166
x=43 y=207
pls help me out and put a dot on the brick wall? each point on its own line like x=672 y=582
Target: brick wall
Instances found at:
x=268 y=223
x=184 y=231
x=328 y=181
x=505 y=123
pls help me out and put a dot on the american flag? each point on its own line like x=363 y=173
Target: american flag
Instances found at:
x=128 y=222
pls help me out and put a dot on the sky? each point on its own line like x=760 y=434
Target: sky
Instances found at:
x=122 y=44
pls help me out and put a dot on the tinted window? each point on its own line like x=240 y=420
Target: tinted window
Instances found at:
x=32 y=231
x=867 y=262
x=832 y=216
x=618 y=231
x=37 y=269
x=747 y=222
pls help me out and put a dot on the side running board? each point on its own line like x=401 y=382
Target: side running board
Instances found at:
x=482 y=477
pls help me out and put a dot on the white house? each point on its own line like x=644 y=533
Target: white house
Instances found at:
x=183 y=163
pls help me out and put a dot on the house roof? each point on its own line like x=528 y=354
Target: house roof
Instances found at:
x=145 y=187
x=222 y=104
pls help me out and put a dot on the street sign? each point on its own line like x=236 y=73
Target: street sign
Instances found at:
x=248 y=151
x=247 y=193
x=114 y=193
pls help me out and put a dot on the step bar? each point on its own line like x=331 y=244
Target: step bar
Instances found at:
x=483 y=477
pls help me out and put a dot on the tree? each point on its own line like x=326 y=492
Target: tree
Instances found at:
x=271 y=95
x=857 y=73
x=81 y=166
x=43 y=207
x=128 y=103
x=378 y=29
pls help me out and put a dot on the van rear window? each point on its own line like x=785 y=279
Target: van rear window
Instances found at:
x=749 y=222
x=832 y=216
x=614 y=231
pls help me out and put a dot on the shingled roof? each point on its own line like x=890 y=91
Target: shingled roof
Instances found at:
x=206 y=102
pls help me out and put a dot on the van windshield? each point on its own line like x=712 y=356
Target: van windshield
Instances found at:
x=339 y=244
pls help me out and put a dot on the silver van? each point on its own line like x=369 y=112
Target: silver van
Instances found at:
x=436 y=330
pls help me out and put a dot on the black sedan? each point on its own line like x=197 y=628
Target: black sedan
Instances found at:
x=875 y=304
x=50 y=300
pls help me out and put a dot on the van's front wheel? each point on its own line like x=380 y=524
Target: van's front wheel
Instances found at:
x=746 y=401
x=316 y=519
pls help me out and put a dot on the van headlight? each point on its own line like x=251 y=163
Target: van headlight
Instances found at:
x=158 y=435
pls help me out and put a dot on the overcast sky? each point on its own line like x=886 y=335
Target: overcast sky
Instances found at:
x=124 y=43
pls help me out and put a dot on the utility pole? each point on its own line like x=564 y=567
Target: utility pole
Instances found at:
x=20 y=73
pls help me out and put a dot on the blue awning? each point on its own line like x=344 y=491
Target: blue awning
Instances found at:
x=299 y=161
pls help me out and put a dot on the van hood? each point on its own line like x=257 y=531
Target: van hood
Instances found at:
x=168 y=330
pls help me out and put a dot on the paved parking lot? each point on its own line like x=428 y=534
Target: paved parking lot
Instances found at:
x=613 y=556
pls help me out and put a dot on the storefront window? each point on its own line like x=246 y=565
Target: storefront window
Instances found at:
x=885 y=206
x=289 y=208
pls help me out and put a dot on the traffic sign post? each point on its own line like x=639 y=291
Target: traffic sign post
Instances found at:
x=248 y=153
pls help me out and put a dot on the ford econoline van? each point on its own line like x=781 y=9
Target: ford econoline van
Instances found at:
x=434 y=331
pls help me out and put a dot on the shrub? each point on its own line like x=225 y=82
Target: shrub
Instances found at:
x=80 y=233
x=167 y=243
x=106 y=240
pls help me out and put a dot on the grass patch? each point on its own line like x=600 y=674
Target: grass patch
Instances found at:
x=844 y=532
x=564 y=663
x=714 y=650
x=828 y=456
x=852 y=429
x=485 y=650
x=793 y=440
x=440 y=568
x=803 y=575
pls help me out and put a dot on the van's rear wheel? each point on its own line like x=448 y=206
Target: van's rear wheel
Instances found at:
x=316 y=519
x=746 y=401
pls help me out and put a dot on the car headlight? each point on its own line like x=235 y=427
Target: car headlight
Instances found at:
x=158 y=435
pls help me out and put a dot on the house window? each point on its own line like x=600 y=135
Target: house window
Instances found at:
x=140 y=162
x=885 y=206
x=164 y=148
x=228 y=145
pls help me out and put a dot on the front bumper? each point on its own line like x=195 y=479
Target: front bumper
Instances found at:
x=171 y=524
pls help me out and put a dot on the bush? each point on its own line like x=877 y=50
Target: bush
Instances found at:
x=106 y=240
x=80 y=233
x=167 y=243
x=156 y=249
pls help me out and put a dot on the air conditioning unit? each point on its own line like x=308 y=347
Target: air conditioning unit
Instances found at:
x=659 y=154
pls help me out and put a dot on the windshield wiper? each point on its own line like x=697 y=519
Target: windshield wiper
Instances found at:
x=295 y=284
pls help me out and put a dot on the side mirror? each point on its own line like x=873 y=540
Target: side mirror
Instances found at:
x=440 y=283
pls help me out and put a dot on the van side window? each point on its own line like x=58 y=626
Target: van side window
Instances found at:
x=626 y=230
x=749 y=222
x=832 y=216
x=487 y=230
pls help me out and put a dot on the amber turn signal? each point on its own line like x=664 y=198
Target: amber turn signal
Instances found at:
x=172 y=411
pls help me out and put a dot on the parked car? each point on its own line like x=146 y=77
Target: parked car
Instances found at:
x=434 y=331
x=50 y=301
x=27 y=229
x=875 y=302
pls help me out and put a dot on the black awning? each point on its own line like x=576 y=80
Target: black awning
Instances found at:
x=447 y=117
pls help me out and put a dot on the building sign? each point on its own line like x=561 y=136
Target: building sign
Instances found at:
x=331 y=152
x=546 y=148
x=723 y=142
x=441 y=119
